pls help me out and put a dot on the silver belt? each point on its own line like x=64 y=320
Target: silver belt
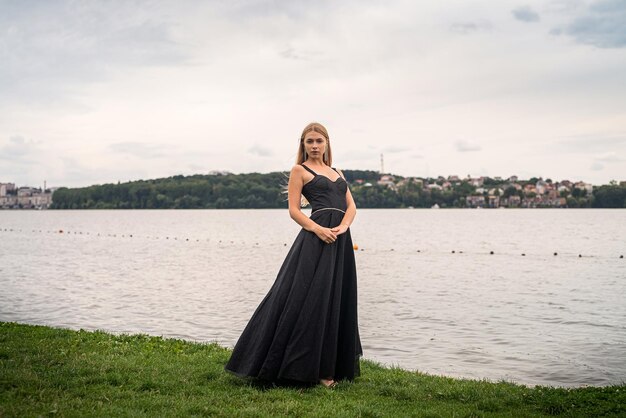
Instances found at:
x=317 y=210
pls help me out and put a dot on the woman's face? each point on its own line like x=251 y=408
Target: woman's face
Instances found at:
x=314 y=144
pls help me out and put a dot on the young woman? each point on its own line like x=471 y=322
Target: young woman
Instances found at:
x=306 y=327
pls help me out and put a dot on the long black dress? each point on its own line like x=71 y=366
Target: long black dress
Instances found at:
x=306 y=327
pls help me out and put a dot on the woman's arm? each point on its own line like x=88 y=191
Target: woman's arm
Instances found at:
x=294 y=191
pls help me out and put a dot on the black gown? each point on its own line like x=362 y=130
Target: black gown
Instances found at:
x=306 y=327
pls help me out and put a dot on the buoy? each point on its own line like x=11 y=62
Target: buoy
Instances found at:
x=355 y=247
x=60 y=231
x=579 y=255
x=491 y=252
x=418 y=251
x=523 y=255
x=621 y=256
x=452 y=251
x=556 y=254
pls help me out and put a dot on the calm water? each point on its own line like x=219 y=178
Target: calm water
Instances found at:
x=199 y=275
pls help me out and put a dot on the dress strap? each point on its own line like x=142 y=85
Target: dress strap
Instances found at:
x=309 y=170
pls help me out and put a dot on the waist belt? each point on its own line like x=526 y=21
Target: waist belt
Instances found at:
x=317 y=210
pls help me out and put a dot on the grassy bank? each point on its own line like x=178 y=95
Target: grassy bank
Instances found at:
x=56 y=372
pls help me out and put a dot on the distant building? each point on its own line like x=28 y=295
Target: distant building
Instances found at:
x=388 y=181
x=6 y=188
x=584 y=186
x=477 y=182
x=541 y=187
x=24 y=197
x=493 y=201
x=475 y=201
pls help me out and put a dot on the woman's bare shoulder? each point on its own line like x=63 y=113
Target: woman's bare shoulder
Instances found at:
x=297 y=171
x=297 y=168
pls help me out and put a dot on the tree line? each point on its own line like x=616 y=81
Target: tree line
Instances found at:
x=256 y=190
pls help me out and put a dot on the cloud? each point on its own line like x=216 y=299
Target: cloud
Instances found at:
x=596 y=166
x=395 y=149
x=471 y=27
x=525 y=14
x=17 y=148
x=603 y=25
x=47 y=49
x=139 y=149
x=259 y=150
x=590 y=143
x=463 y=145
x=609 y=157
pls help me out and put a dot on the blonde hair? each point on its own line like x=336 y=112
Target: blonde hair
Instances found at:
x=301 y=157
x=327 y=158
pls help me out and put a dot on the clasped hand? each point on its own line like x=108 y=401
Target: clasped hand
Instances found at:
x=329 y=235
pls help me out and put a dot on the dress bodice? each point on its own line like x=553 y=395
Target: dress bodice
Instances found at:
x=322 y=192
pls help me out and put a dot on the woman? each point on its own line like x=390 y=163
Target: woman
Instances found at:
x=306 y=327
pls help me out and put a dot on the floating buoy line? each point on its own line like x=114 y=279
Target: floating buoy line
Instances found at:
x=356 y=248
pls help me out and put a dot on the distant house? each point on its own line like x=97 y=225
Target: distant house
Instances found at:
x=477 y=182
x=388 y=181
x=475 y=201
x=511 y=201
x=513 y=185
x=411 y=180
x=513 y=179
x=541 y=187
x=493 y=201
x=529 y=188
x=584 y=186
x=6 y=188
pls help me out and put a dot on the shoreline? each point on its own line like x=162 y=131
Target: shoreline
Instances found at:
x=46 y=369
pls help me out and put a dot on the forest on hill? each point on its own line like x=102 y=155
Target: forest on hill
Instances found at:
x=257 y=190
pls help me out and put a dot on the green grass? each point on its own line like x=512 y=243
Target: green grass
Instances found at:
x=57 y=372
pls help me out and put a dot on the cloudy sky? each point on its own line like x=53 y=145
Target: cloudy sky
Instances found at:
x=94 y=92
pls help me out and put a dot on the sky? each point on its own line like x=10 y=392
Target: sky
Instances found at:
x=95 y=92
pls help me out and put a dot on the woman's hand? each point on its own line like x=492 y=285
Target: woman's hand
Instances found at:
x=325 y=234
x=340 y=229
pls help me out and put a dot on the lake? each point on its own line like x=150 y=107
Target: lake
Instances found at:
x=432 y=297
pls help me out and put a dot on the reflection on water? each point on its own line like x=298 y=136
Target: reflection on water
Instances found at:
x=535 y=319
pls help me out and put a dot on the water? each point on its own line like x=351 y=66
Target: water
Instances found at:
x=199 y=275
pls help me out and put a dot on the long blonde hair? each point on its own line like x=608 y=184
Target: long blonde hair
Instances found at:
x=327 y=158
x=301 y=157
